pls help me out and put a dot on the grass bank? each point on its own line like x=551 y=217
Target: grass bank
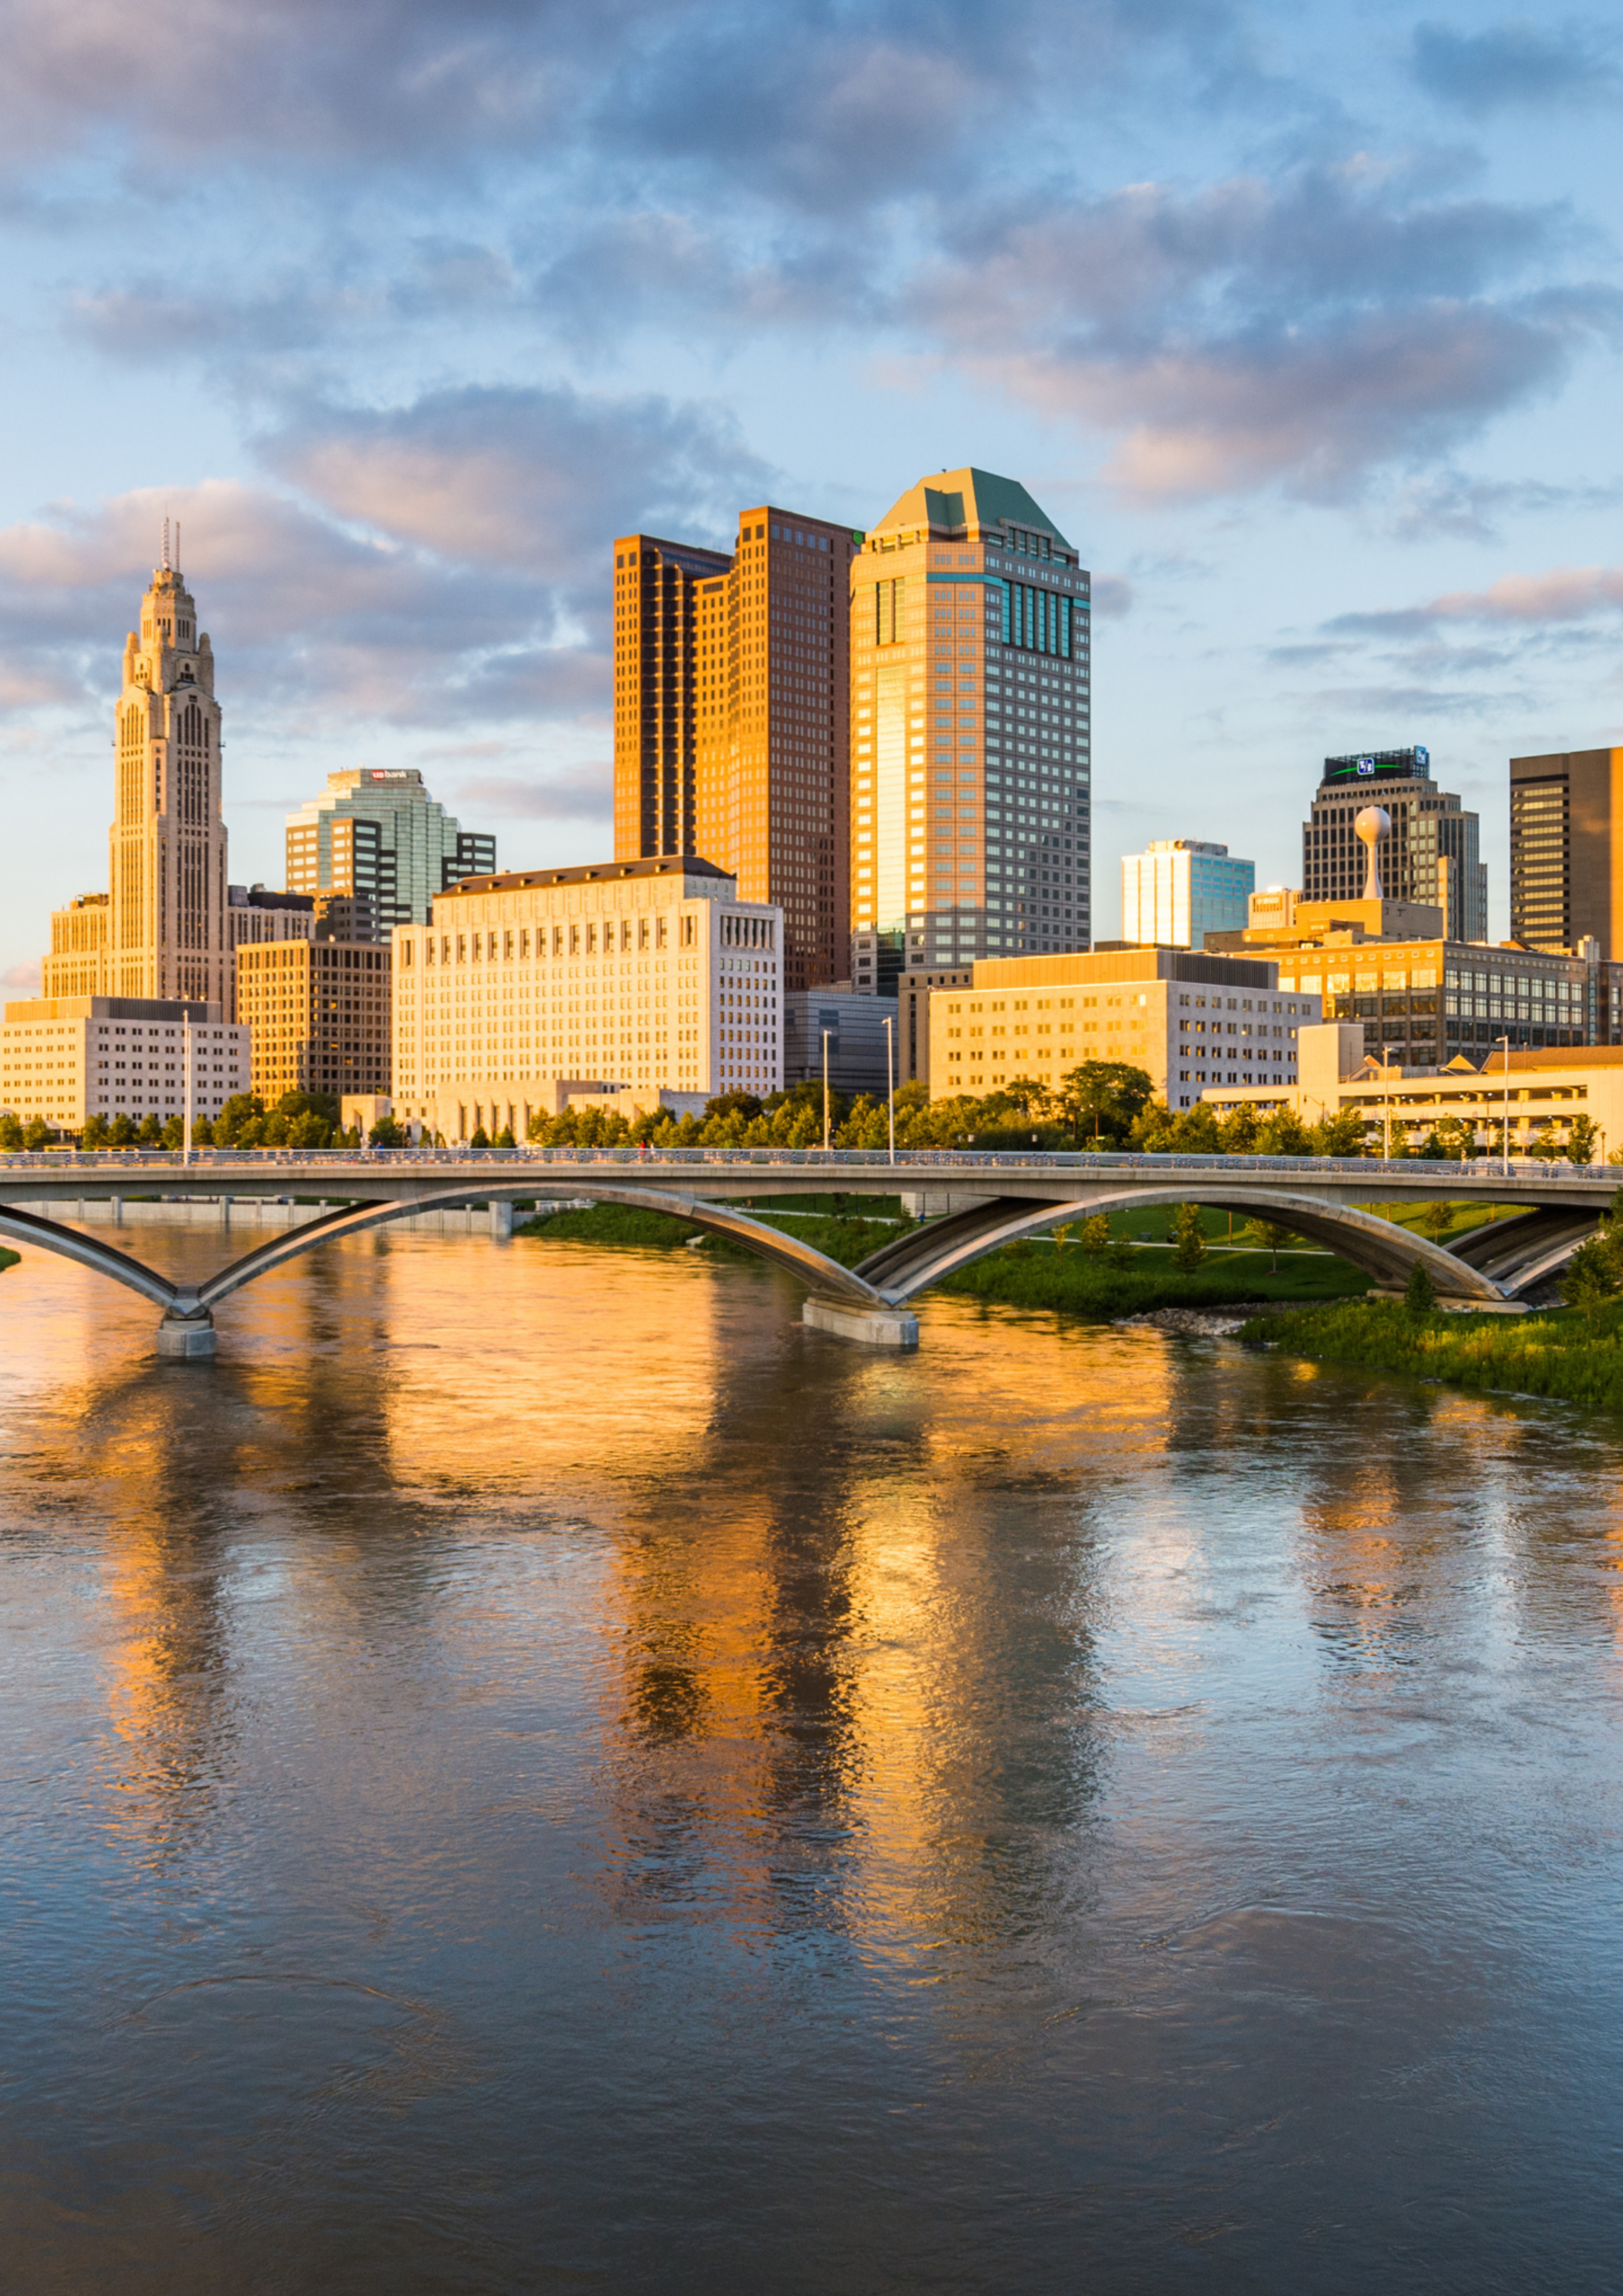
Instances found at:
x=8 y=1259
x=1035 y=1275
x=1565 y=1353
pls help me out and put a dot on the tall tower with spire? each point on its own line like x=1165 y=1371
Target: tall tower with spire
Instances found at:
x=167 y=930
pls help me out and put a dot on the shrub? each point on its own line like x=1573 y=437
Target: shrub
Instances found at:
x=1188 y=1237
x=1420 y=1293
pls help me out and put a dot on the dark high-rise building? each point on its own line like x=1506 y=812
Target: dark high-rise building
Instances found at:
x=731 y=719
x=1567 y=850
x=1431 y=856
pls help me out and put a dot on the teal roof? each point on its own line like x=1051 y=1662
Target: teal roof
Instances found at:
x=968 y=497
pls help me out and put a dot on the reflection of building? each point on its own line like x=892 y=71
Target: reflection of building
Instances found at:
x=970 y=716
x=375 y=833
x=1178 y=889
x=160 y=932
x=646 y=973
x=1567 y=850
x=1431 y=856
x=318 y=1011
x=68 y=1058
x=730 y=725
x=1188 y=1019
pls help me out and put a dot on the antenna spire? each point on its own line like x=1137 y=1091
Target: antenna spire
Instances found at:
x=166 y=545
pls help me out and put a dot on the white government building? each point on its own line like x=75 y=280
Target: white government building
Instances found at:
x=650 y=981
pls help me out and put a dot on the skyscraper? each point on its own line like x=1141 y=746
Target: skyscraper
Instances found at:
x=969 y=712
x=376 y=834
x=166 y=918
x=1179 y=890
x=732 y=718
x=1567 y=850
x=1431 y=857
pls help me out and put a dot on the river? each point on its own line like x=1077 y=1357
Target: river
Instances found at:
x=533 y=1771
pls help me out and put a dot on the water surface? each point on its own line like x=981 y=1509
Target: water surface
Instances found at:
x=534 y=1771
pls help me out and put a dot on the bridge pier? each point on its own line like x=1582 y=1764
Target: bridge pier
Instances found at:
x=501 y=1221
x=191 y=1337
x=878 y=1327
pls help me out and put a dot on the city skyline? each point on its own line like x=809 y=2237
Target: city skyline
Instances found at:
x=1300 y=327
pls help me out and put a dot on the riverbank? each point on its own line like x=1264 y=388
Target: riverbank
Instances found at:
x=8 y=1259
x=1565 y=1353
x=1101 y=1287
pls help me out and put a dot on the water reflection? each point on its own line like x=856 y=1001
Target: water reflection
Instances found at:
x=531 y=1738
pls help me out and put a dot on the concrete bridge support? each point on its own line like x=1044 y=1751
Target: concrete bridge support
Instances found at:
x=887 y=1327
x=189 y=1338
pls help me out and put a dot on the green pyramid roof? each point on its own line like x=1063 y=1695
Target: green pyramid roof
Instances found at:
x=956 y=499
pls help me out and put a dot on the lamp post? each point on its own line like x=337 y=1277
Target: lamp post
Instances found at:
x=1386 y=1103
x=825 y=1092
x=185 y=1121
x=890 y=1079
x=1506 y=1043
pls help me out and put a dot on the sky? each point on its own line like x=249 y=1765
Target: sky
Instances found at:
x=1303 y=324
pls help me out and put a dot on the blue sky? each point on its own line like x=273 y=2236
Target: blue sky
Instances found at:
x=1304 y=325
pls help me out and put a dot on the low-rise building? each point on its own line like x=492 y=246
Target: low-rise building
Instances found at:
x=78 y=962
x=1190 y=1020
x=862 y=1055
x=67 y=1059
x=645 y=976
x=1180 y=888
x=318 y=1012
x=1538 y=1093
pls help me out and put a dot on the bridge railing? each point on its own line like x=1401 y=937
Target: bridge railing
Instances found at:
x=159 y=1163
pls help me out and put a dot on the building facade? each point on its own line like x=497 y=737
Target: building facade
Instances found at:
x=1431 y=857
x=645 y=975
x=1431 y=1000
x=1567 y=850
x=732 y=718
x=1180 y=888
x=69 y=1058
x=376 y=835
x=861 y=1052
x=318 y=1015
x=166 y=936
x=76 y=965
x=1188 y=1019
x=971 y=726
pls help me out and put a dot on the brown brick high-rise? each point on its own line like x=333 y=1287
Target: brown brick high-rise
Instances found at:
x=731 y=719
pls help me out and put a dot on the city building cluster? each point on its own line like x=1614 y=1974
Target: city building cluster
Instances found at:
x=852 y=840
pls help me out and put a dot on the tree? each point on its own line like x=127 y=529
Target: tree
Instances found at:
x=1268 y=1235
x=1100 y=1100
x=1195 y=1132
x=505 y=1139
x=95 y=1134
x=238 y=1122
x=123 y=1132
x=1437 y=1219
x=1024 y=1094
x=11 y=1132
x=1154 y=1128
x=1591 y=1275
x=310 y=1130
x=481 y=1138
x=1283 y=1135
x=37 y=1135
x=1097 y=1235
x=387 y=1134
x=151 y=1135
x=1240 y=1130
x=1340 y=1135
x=1432 y=1150
x=1188 y=1237
x=1582 y=1141
x=1420 y=1293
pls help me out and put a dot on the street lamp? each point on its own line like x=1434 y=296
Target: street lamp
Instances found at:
x=1506 y=1043
x=890 y=1079
x=1386 y=1103
x=825 y=1092
x=185 y=1122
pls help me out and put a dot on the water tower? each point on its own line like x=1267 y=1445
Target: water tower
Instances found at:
x=1373 y=825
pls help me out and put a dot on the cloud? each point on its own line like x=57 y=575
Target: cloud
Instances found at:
x=1517 y=64
x=24 y=978
x=1451 y=503
x=1299 y=333
x=1112 y=596
x=537 y=480
x=1565 y=595
x=587 y=793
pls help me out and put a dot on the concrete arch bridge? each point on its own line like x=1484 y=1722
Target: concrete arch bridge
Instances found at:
x=978 y=1203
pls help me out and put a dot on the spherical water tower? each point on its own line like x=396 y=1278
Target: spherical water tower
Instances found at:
x=1373 y=825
